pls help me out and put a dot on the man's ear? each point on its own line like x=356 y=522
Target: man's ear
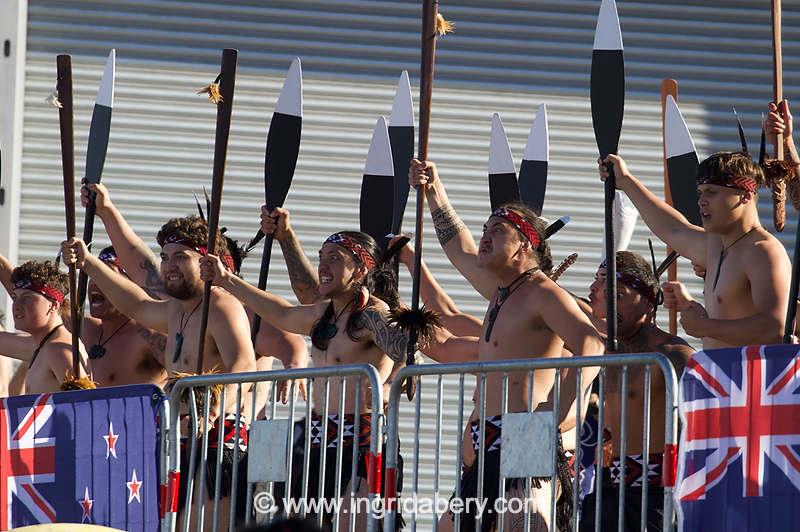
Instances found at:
x=747 y=197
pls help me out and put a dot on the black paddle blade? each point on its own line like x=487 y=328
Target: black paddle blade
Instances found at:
x=283 y=148
x=608 y=99
x=503 y=187
x=682 y=163
x=533 y=170
x=533 y=184
x=377 y=187
x=401 y=137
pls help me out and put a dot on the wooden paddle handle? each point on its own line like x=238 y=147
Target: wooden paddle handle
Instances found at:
x=65 y=120
x=777 y=67
x=779 y=185
x=224 y=110
x=669 y=87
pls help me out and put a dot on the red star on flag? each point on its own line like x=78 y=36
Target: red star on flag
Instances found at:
x=111 y=441
x=86 y=504
x=133 y=488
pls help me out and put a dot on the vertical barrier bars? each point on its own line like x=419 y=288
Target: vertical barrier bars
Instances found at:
x=337 y=485
x=307 y=447
x=645 y=446
x=556 y=438
x=576 y=489
x=354 y=468
x=323 y=446
x=235 y=472
x=439 y=390
x=598 y=466
x=502 y=481
x=459 y=447
x=417 y=413
x=218 y=460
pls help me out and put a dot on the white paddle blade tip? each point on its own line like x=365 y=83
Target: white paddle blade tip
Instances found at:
x=538 y=146
x=608 y=35
x=500 y=159
x=403 y=106
x=677 y=138
x=105 y=93
x=290 y=101
x=379 y=157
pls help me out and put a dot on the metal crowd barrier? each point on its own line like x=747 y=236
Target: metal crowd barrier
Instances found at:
x=271 y=447
x=481 y=370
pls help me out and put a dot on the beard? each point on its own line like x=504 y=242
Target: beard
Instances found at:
x=181 y=291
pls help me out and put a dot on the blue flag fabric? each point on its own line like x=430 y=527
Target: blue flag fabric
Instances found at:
x=81 y=457
x=739 y=462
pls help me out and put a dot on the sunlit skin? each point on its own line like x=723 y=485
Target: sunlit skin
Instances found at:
x=133 y=353
x=746 y=303
x=227 y=347
x=37 y=316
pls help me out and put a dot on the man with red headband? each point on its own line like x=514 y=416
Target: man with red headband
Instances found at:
x=348 y=324
x=638 y=298
x=141 y=267
x=747 y=269
x=182 y=242
x=38 y=290
x=529 y=316
x=121 y=351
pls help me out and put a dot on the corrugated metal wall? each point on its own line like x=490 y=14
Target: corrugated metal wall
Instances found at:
x=505 y=56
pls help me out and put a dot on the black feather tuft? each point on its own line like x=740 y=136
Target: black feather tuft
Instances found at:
x=422 y=322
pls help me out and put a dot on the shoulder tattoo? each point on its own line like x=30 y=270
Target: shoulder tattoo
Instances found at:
x=390 y=339
x=447 y=223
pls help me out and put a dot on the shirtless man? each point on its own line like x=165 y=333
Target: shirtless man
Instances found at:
x=347 y=325
x=140 y=265
x=38 y=290
x=227 y=346
x=638 y=297
x=121 y=351
x=748 y=271
x=529 y=315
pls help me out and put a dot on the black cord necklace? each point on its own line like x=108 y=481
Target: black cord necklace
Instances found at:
x=723 y=253
x=98 y=349
x=331 y=329
x=41 y=344
x=503 y=293
x=179 y=335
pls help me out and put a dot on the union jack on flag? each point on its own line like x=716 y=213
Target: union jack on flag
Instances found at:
x=739 y=461
x=81 y=457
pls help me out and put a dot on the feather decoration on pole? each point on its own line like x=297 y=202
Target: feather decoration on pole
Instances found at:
x=418 y=322
x=227 y=82
x=65 y=116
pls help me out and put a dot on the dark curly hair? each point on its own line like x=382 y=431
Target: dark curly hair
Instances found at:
x=543 y=256
x=41 y=273
x=726 y=164
x=194 y=229
x=381 y=282
x=637 y=266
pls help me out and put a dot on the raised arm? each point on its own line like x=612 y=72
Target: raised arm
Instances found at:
x=667 y=223
x=272 y=308
x=453 y=235
x=302 y=274
x=779 y=121
x=137 y=259
x=437 y=300
x=126 y=296
x=5 y=273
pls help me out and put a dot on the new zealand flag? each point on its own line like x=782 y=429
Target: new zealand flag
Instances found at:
x=81 y=457
x=739 y=466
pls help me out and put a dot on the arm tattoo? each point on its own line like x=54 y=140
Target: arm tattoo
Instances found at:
x=391 y=340
x=153 y=284
x=447 y=223
x=301 y=274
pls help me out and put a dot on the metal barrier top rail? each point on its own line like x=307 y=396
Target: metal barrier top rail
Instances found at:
x=204 y=381
x=505 y=366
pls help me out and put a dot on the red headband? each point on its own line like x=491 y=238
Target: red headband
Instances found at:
x=50 y=292
x=748 y=184
x=521 y=224
x=355 y=249
x=227 y=260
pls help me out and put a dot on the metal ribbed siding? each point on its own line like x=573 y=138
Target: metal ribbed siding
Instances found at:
x=506 y=57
